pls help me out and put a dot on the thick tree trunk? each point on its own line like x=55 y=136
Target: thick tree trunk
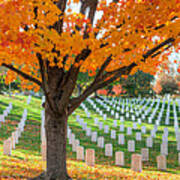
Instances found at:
x=56 y=115
x=56 y=130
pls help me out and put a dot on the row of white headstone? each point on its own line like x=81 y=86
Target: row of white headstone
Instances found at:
x=136 y=159
x=137 y=107
x=11 y=142
x=5 y=113
x=121 y=137
x=139 y=111
x=131 y=144
x=108 y=147
x=153 y=132
x=29 y=99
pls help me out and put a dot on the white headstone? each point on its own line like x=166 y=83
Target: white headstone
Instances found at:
x=143 y=129
x=90 y=157
x=75 y=144
x=165 y=138
x=149 y=142
x=164 y=149
x=105 y=117
x=71 y=138
x=94 y=136
x=13 y=140
x=119 y=158
x=138 y=136
x=136 y=162
x=117 y=115
x=84 y=125
x=178 y=145
x=139 y=121
x=161 y=162
x=80 y=153
x=131 y=146
x=121 y=140
x=153 y=133
x=101 y=142
x=2 y=118
x=96 y=121
x=133 y=117
x=7 y=146
x=134 y=125
x=129 y=130
x=149 y=120
x=113 y=134
x=68 y=133
x=77 y=118
x=145 y=154
x=115 y=123
x=100 y=125
x=122 y=119
x=106 y=129
x=108 y=150
x=122 y=127
x=88 y=131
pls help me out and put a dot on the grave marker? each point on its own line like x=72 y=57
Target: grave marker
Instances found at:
x=131 y=146
x=90 y=157
x=113 y=134
x=94 y=136
x=7 y=146
x=80 y=153
x=108 y=150
x=119 y=158
x=101 y=142
x=161 y=162
x=145 y=154
x=121 y=139
x=136 y=162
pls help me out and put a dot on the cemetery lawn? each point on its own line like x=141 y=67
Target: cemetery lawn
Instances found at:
x=26 y=159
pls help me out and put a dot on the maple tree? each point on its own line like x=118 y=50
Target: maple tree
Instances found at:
x=47 y=45
x=102 y=92
x=167 y=81
x=118 y=90
x=166 y=84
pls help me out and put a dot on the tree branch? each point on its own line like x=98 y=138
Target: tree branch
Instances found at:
x=103 y=67
x=24 y=75
x=44 y=82
x=69 y=81
x=94 y=86
x=153 y=50
x=125 y=70
x=61 y=4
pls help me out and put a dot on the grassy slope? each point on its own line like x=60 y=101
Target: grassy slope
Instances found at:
x=26 y=160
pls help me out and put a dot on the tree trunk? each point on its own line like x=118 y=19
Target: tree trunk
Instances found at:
x=56 y=131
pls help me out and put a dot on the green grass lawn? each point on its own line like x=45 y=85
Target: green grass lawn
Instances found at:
x=29 y=142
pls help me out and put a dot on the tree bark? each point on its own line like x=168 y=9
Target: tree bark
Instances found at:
x=56 y=132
